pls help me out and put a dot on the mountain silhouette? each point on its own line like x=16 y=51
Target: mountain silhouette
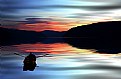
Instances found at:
x=51 y=33
x=13 y=36
x=103 y=36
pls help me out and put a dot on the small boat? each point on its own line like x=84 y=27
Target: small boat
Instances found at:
x=29 y=62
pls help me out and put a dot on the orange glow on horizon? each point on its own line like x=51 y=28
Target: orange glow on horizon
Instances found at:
x=47 y=25
x=56 y=26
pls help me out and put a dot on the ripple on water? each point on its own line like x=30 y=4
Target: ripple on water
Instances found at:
x=63 y=67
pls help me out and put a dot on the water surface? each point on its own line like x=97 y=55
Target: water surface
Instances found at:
x=66 y=62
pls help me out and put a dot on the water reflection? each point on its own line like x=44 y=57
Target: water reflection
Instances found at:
x=76 y=66
x=55 y=48
x=67 y=62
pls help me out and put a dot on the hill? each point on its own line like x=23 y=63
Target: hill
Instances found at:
x=50 y=33
x=103 y=36
x=13 y=36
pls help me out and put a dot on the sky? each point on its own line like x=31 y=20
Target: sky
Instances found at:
x=57 y=15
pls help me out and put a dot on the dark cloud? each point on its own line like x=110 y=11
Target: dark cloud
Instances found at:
x=8 y=16
x=5 y=10
x=14 y=24
x=36 y=20
x=8 y=23
x=103 y=7
x=6 y=4
x=79 y=17
x=32 y=20
x=95 y=8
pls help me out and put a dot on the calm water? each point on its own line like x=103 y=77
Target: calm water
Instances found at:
x=66 y=62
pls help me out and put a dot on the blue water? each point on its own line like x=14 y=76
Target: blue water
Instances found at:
x=62 y=66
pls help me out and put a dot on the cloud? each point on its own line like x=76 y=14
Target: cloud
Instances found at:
x=8 y=23
x=101 y=0
x=92 y=8
x=36 y=20
x=30 y=11
x=5 y=11
x=101 y=7
x=108 y=4
x=9 y=8
x=88 y=16
x=15 y=5
x=9 y=16
x=37 y=24
x=5 y=4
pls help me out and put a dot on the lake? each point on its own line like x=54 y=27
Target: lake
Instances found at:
x=65 y=62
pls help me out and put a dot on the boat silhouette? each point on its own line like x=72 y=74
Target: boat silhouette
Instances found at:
x=29 y=62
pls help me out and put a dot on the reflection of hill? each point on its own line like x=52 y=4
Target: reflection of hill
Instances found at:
x=12 y=36
x=103 y=36
x=52 y=40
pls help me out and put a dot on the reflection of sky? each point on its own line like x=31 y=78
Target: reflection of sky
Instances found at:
x=56 y=48
x=75 y=12
x=72 y=67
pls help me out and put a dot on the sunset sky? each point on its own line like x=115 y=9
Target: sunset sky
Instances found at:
x=58 y=15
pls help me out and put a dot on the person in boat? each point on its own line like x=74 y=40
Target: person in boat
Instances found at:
x=32 y=57
x=29 y=62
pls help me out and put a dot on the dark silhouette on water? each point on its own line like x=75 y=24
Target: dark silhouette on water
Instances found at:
x=29 y=62
x=103 y=36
